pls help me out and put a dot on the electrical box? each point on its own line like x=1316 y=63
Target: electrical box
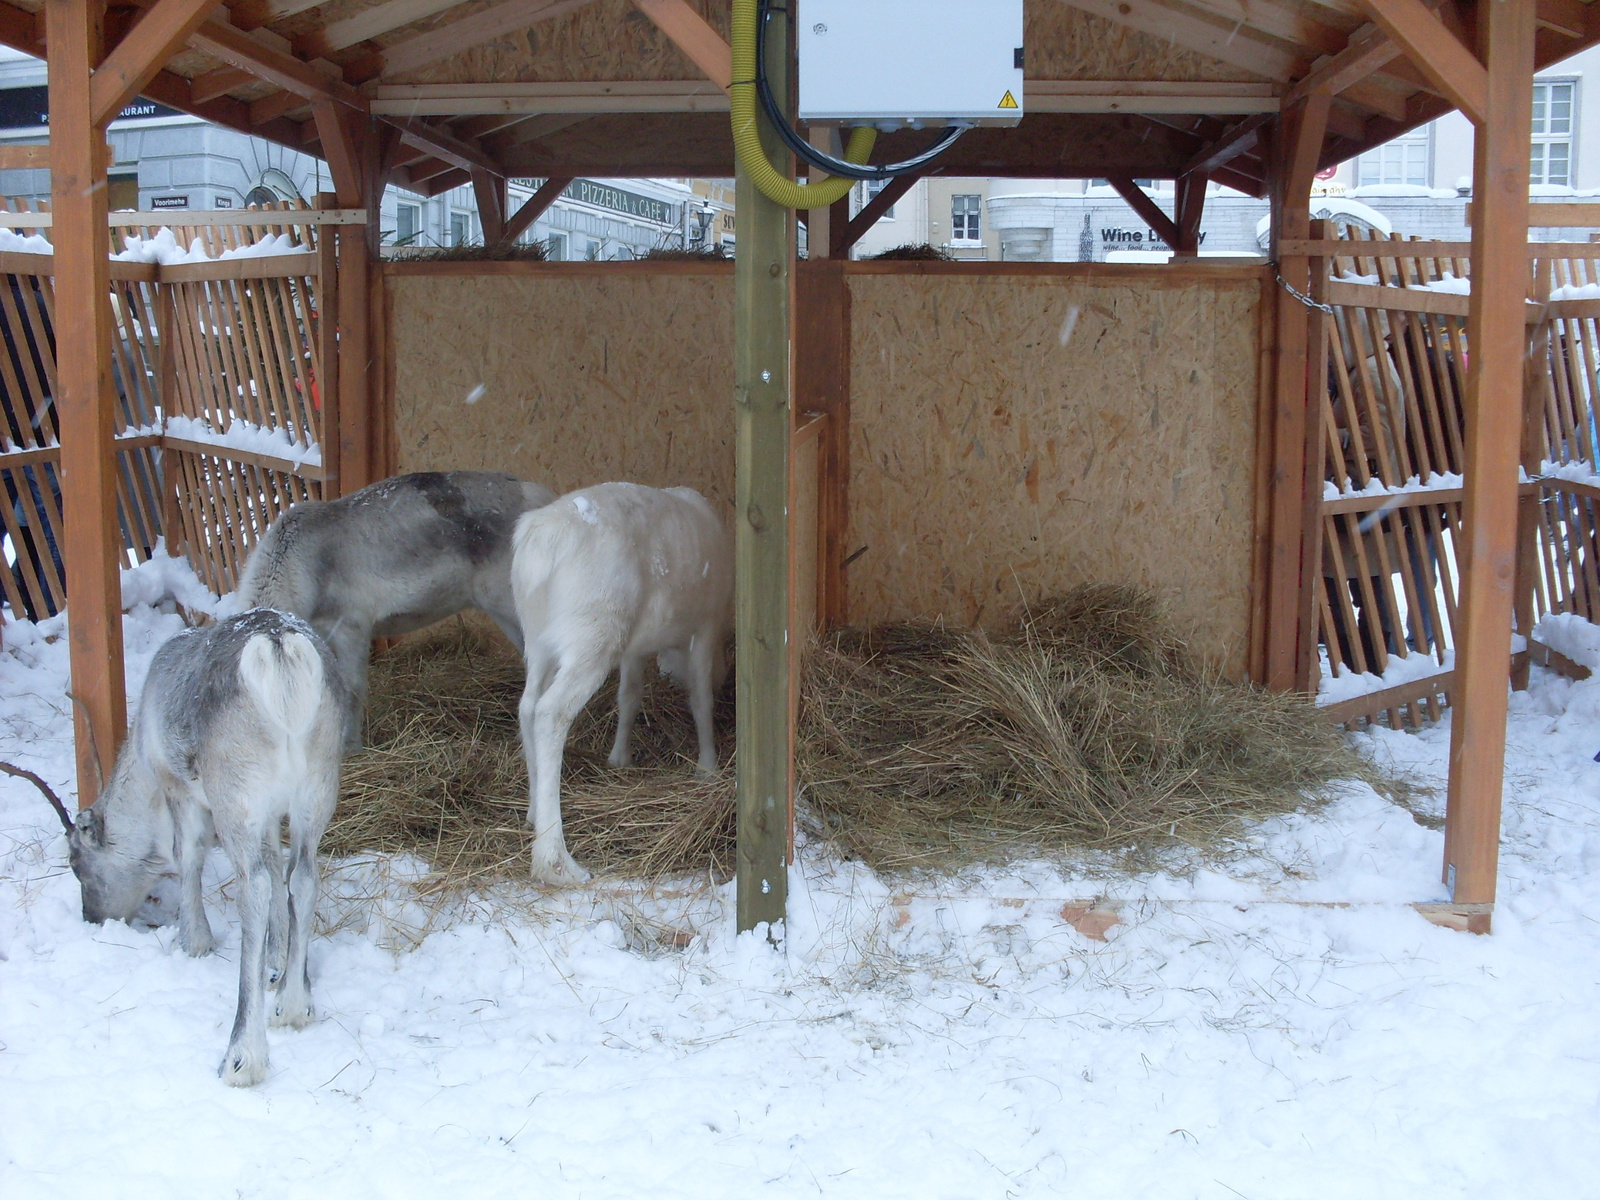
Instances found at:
x=918 y=62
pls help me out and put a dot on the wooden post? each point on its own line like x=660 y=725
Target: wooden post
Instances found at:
x=1496 y=333
x=85 y=402
x=763 y=300
x=822 y=384
x=328 y=349
x=1305 y=675
x=1535 y=379
x=1300 y=147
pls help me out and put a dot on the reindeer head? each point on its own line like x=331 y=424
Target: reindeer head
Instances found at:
x=118 y=869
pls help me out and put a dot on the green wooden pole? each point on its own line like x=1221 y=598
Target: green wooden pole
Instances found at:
x=763 y=302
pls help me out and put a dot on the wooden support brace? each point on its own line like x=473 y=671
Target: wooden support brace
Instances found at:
x=1189 y=210
x=1436 y=52
x=850 y=232
x=535 y=207
x=1497 y=335
x=1149 y=211
x=144 y=52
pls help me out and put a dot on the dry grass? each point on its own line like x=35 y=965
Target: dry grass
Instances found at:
x=1084 y=726
x=913 y=252
x=499 y=252
x=443 y=777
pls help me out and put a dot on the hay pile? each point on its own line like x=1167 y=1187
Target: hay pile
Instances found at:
x=443 y=776
x=913 y=252
x=472 y=252
x=1083 y=726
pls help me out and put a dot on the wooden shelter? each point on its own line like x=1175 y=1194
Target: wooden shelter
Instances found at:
x=430 y=94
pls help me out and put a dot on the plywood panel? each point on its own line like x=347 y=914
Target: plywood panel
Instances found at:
x=584 y=376
x=1011 y=437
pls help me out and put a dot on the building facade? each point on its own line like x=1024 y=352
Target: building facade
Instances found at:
x=1418 y=184
x=167 y=161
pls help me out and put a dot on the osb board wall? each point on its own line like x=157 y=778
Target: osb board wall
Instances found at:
x=1012 y=436
x=611 y=39
x=586 y=375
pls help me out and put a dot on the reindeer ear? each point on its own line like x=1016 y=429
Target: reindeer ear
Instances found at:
x=90 y=826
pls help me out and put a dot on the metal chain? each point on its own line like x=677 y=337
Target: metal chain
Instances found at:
x=1303 y=298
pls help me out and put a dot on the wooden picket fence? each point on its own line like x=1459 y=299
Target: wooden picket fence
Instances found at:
x=222 y=345
x=1392 y=374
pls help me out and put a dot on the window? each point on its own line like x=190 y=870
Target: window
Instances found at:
x=966 y=218
x=407 y=224
x=460 y=226
x=869 y=190
x=1551 y=159
x=1403 y=160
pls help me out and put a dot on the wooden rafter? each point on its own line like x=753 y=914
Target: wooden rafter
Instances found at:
x=444 y=145
x=242 y=50
x=252 y=14
x=1368 y=50
x=1229 y=146
x=490 y=192
x=1436 y=52
x=367 y=24
x=142 y=54
x=219 y=83
x=1142 y=96
x=511 y=16
x=688 y=30
x=1296 y=25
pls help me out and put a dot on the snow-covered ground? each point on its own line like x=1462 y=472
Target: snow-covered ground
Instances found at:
x=1237 y=1035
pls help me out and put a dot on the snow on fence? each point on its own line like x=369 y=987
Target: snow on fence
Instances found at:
x=1393 y=419
x=217 y=361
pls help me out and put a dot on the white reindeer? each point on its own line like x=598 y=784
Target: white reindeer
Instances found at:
x=391 y=558
x=239 y=726
x=603 y=578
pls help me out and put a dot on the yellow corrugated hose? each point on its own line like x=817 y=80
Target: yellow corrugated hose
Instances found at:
x=747 y=141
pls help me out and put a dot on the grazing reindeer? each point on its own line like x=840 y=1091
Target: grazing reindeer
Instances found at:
x=239 y=726
x=603 y=578
x=393 y=557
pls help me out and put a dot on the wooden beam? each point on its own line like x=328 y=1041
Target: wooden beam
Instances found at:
x=1493 y=443
x=1139 y=96
x=822 y=384
x=86 y=405
x=444 y=145
x=275 y=105
x=1243 y=136
x=689 y=32
x=1149 y=211
x=437 y=185
x=1436 y=52
x=1298 y=154
x=849 y=234
x=490 y=191
x=240 y=49
x=464 y=99
x=252 y=14
x=162 y=29
x=1296 y=25
x=218 y=83
x=446 y=41
x=764 y=272
x=535 y=207
x=1369 y=50
x=367 y=24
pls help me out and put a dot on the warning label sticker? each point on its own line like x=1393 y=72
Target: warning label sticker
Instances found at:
x=1008 y=100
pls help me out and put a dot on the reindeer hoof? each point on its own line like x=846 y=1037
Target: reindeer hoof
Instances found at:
x=558 y=870
x=293 y=1013
x=242 y=1067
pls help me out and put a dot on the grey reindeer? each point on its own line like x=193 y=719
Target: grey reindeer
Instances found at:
x=240 y=725
x=391 y=558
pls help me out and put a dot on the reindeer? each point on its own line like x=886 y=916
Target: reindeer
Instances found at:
x=239 y=726
x=392 y=558
x=603 y=578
